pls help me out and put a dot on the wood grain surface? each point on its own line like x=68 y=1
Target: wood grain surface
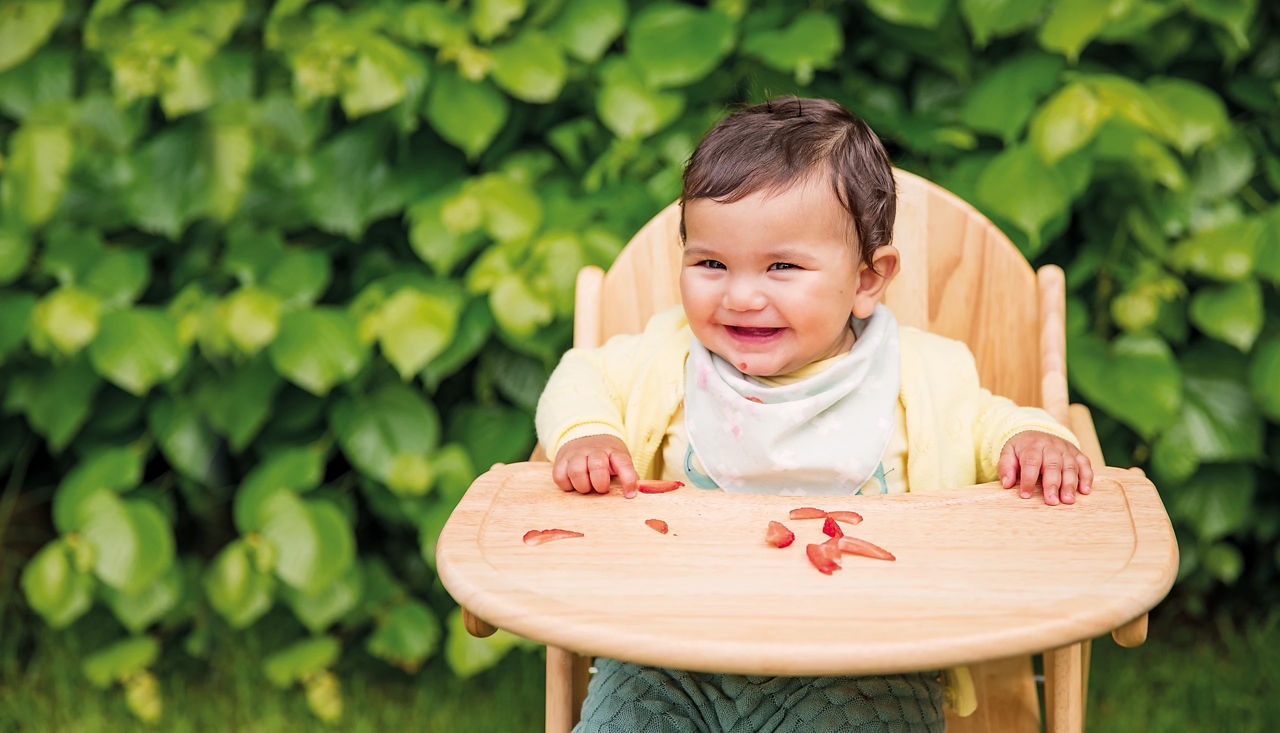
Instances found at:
x=980 y=574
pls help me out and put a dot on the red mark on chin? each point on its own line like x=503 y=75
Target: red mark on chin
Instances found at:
x=742 y=366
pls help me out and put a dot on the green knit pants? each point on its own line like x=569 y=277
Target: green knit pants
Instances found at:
x=629 y=698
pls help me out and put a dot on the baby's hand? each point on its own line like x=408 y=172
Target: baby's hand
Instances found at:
x=587 y=464
x=1059 y=466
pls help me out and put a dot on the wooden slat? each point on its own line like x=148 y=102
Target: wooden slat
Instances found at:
x=1007 y=699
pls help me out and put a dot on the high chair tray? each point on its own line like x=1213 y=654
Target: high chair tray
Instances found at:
x=980 y=574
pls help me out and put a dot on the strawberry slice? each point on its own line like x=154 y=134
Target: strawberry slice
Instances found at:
x=855 y=546
x=657 y=525
x=538 y=536
x=821 y=559
x=846 y=517
x=778 y=535
x=658 y=487
x=807 y=512
x=831 y=528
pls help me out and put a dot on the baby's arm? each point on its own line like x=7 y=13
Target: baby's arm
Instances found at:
x=588 y=464
x=1059 y=466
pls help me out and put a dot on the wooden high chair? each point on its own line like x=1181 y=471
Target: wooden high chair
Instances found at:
x=983 y=577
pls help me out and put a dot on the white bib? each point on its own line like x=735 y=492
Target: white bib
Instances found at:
x=821 y=436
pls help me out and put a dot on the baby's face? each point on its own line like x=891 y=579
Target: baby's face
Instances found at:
x=769 y=281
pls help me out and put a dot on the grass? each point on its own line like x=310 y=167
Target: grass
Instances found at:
x=1185 y=678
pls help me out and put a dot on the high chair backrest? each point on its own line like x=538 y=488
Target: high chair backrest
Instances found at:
x=960 y=277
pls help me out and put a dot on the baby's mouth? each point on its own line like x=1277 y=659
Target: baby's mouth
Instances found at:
x=753 y=332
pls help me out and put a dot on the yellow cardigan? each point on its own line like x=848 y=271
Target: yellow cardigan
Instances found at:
x=632 y=386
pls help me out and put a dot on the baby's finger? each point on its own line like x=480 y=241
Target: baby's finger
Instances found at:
x=560 y=474
x=598 y=469
x=1051 y=479
x=1007 y=466
x=1086 y=474
x=1029 y=468
x=626 y=473
x=1070 y=481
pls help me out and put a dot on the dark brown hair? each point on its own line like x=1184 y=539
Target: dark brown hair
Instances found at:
x=774 y=144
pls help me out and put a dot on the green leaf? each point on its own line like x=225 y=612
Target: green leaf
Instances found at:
x=1217 y=502
x=353 y=183
x=15 y=253
x=1217 y=421
x=313 y=541
x=922 y=13
x=132 y=541
x=432 y=23
x=299 y=276
x=675 y=45
x=530 y=67
x=468 y=114
x=1018 y=186
x=1266 y=259
x=317 y=348
x=54 y=588
x=434 y=240
x=813 y=40
x=65 y=320
x=1223 y=167
x=1002 y=101
x=383 y=75
x=1128 y=145
x=237 y=590
x=518 y=377
x=512 y=210
x=1135 y=379
x=492 y=18
x=238 y=402
x=1232 y=313
x=1067 y=122
x=406 y=637
x=416 y=325
x=295 y=469
x=1224 y=561
x=117 y=276
x=121 y=660
x=629 y=107
x=492 y=433
x=1264 y=376
x=169 y=184
x=517 y=308
x=251 y=253
x=231 y=150
x=137 y=348
x=36 y=172
x=1235 y=16
x=318 y=611
x=301 y=659
x=1199 y=115
x=250 y=316
x=38 y=83
x=469 y=337
x=586 y=28
x=1225 y=252
x=16 y=310
x=468 y=655
x=137 y=612
x=988 y=19
x=185 y=439
x=393 y=427
x=56 y=401
x=24 y=26
x=1072 y=24
x=105 y=470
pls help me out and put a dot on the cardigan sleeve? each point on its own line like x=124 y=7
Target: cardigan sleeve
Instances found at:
x=999 y=419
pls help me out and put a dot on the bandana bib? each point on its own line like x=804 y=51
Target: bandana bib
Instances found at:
x=820 y=436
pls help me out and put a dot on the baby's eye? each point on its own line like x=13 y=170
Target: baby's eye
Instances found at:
x=712 y=264
x=782 y=266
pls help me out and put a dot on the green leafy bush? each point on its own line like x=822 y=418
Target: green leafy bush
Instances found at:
x=281 y=278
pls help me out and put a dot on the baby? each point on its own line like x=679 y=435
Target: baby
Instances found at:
x=782 y=373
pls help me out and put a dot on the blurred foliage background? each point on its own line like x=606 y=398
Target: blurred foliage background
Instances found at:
x=279 y=278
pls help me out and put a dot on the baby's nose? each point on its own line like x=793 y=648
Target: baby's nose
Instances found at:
x=744 y=294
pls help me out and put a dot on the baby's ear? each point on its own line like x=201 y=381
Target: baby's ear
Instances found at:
x=873 y=278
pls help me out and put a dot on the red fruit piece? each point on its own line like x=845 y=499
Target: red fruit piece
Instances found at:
x=657 y=525
x=846 y=517
x=832 y=528
x=821 y=559
x=855 y=546
x=778 y=535
x=538 y=536
x=807 y=512
x=658 y=487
